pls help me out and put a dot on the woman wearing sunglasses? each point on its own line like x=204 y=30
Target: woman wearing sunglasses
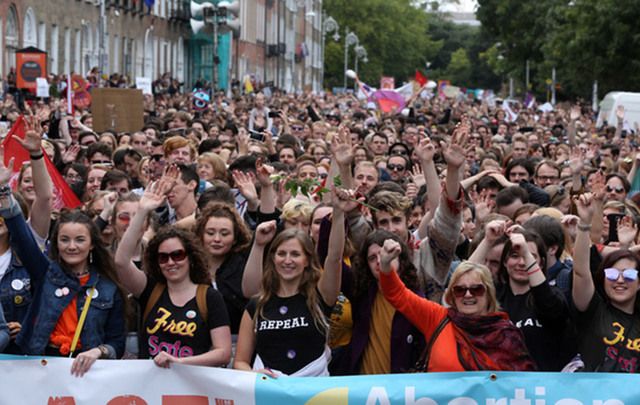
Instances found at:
x=483 y=338
x=177 y=326
x=606 y=302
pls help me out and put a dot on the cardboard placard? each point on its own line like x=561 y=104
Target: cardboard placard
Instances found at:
x=387 y=83
x=119 y=109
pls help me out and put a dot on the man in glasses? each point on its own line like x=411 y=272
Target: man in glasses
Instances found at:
x=547 y=173
x=99 y=154
x=617 y=187
x=397 y=166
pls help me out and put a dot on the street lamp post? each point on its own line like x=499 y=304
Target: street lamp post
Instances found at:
x=328 y=25
x=349 y=39
x=361 y=53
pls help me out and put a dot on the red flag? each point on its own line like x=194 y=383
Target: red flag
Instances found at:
x=420 y=78
x=62 y=194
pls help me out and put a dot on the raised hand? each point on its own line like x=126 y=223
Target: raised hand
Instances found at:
x=576 y=163
x=454 y=153
x=417 y=175
x=71 y=154
x=484 y=205
x=495 y=229
x=155 y=194
x=575 y=113
x=627 y=231
x=341 y=147
x=519 y=243
x=598 y=186
x=263 y=173
x=5 y=171
x=585 y=207
x=265 y=232
x=570 y=224
x=32 y=141
x=388 y=255
x=244 y=184
x=411 y=191
x=620 y=113
x=425 y=150
x=344 y=200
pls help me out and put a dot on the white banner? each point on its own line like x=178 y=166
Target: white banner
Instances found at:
x=48 y=381
x=42 y=87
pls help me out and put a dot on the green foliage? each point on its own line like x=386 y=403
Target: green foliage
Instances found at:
x=400 y=36
x=585 y=40
x=392 y=31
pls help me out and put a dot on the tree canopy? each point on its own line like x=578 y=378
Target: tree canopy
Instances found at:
x=585 y=40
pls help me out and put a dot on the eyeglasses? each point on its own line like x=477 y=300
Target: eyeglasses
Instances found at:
x=101 y=162
x=399 y=152
x=296 y=128
x=156 y=158
x=323 y=175
x=548 y=178
x=475 y=290
x=394 y=167
x=124 y=217
x=176 y=256
x=629 y=275
x=617 y=189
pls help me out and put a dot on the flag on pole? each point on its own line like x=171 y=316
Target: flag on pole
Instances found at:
x=406 y=90
x=62 y=194
x=420 y=78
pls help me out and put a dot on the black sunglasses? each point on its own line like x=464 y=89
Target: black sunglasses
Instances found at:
x=176 y=256
x=475 y=290
x=393 y=167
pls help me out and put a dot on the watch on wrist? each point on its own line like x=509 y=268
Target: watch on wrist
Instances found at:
x=104 y=351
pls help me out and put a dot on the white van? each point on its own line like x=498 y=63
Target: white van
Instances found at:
x=610 y=103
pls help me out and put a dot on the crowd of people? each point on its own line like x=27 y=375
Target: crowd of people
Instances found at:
x=312 y=235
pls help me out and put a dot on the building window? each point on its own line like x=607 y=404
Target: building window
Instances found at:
x=11 y=38
x=67 y=50
x=42 y=36
x=30 y=29
x=53 y=56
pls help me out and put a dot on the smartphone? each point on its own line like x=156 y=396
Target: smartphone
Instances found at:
x=613 y=226
x=274 y=114
x=258 y=136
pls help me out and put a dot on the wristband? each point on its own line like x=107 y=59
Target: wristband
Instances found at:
x=533 y=272
x=529 y=267
x=584 y=227
x=37 y=157
x=5 y=191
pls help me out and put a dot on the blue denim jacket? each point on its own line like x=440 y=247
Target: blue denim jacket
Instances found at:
x=105 y=322
x=15 y=291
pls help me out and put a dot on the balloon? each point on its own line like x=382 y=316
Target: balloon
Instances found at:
x=351 y=74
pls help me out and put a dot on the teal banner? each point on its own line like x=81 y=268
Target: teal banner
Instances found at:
x=472 y=388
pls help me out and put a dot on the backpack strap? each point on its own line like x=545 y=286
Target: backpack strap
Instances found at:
x=153 y=299
x=423 y=361
x=201 y=302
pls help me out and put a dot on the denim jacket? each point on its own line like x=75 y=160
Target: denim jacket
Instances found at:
x=104 y=324
x=15 y=291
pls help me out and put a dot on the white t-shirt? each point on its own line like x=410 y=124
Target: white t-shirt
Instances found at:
x=5 y=261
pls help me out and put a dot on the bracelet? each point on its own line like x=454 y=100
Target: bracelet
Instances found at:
x=37 y=157
x=584 y=227
x=531 y=266
x=5 y=191
x=533 y=272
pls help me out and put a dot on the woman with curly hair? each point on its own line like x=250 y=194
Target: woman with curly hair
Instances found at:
x=383 y=340
x=184 y=319
x=286 y=324
x=226 y=239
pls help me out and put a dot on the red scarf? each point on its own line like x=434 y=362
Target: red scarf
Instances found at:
x=490 y=342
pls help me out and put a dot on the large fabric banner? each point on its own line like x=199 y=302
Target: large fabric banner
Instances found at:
x=31 y=380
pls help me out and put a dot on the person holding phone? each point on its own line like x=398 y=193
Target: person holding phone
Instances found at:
x=606 y=301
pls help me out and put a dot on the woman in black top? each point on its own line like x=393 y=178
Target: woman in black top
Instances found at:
x=175 y=328
x=226 y=239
